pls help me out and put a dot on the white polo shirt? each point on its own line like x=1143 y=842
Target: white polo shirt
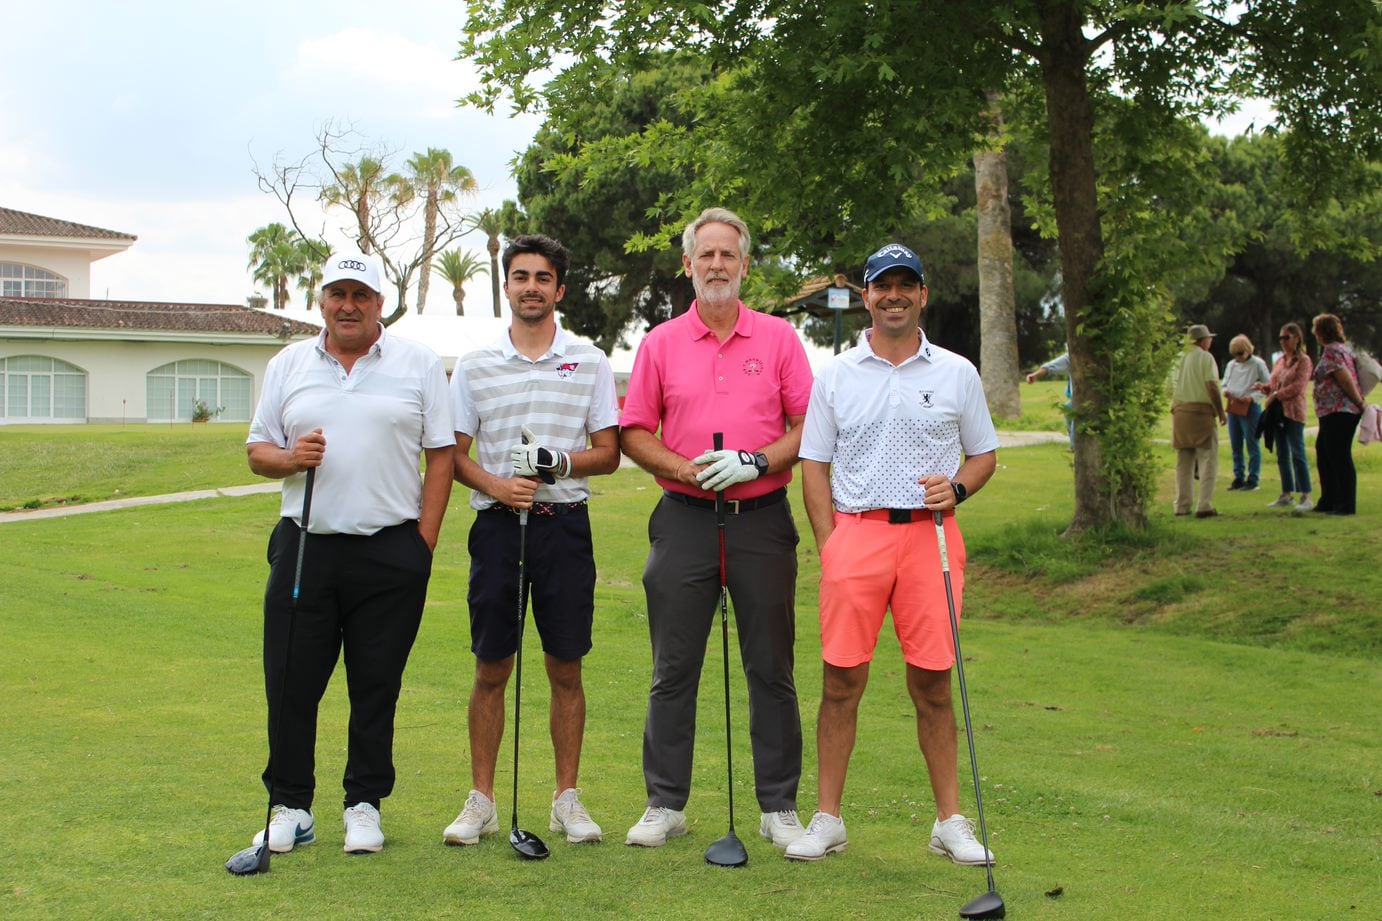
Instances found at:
x=883 y=427
x=377 y=420
x=562 y=397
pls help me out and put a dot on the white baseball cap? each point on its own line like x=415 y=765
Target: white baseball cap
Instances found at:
x=352 y=267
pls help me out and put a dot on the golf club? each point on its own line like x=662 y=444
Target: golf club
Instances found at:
x=728 y=851
x=255 y=858
x=990 y=904
x=528 y=845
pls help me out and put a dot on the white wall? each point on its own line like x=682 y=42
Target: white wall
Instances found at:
x=116 y=390
x=72 y=264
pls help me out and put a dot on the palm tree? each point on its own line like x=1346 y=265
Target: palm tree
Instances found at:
x=357 y=187
x=487 y=222
x=274 y=256
x=459 y=266
x=434 y=177
x=310 y=275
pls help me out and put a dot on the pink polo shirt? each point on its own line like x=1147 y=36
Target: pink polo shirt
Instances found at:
x=692 y=385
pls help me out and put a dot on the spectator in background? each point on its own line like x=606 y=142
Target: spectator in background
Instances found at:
x=1242 y=377
x=1059 y=365
x=1195 y=407
x=1286 y=396
x=1339 y=406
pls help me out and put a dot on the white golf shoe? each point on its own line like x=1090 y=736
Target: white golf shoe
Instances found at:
x=362 y=832
x=478 y=817
x=287 y=829
x=657 y=825
x=825 y=835
x=569 y=815
x=954 y=838
x=781 y=827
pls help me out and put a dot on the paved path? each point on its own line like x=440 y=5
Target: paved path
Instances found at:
x=1005 y=440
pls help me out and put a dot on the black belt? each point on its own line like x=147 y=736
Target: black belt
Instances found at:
x=541 y=509
x=732 y=506
x=897 y=515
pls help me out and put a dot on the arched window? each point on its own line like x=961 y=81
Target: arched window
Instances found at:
x=38 y=389
x=175 y=389
x=18 y=280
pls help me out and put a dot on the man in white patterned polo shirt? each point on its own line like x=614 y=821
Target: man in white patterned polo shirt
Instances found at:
x=897 y=429
x=539 y=408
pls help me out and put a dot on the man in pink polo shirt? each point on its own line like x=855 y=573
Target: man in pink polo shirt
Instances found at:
x=719 y=367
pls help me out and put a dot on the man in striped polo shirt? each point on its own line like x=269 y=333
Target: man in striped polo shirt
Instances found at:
x=539 y=408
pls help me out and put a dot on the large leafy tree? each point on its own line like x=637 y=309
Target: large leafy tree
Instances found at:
x=831 y=121
x=1280 y=274
x=595 y=205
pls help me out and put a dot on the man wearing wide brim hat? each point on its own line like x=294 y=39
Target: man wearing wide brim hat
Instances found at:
x=1197 y=411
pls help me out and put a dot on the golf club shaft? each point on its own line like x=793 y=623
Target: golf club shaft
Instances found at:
x=518 y=655
x=277 y=722
x=719 y=441
x=964 y=691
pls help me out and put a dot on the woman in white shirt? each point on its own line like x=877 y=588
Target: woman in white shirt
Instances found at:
x=1240 y=376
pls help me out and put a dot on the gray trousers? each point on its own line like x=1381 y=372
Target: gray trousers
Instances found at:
x=682 y=583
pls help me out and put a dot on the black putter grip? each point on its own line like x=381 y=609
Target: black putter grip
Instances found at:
x=718 y=440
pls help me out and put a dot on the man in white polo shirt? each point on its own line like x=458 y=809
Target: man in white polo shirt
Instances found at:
x=897 y=429
x=539 y=408
x=362 y=408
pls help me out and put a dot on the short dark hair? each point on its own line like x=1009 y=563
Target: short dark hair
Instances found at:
x=542 y=245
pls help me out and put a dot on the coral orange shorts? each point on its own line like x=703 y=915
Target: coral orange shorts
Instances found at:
x=870 y=566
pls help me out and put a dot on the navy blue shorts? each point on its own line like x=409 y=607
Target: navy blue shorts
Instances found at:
x=560 y=574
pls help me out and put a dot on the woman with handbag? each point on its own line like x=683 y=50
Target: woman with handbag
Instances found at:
x=1339 y=406
x=1290 y=376
x=1241 y=378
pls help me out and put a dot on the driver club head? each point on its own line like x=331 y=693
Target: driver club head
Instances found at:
x=727 y=852
x=988 y=905
x=253 y=859
x=528 y=845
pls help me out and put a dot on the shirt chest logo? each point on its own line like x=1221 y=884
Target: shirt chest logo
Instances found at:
x=753 y=366
x=567 y=371
x=926 y=396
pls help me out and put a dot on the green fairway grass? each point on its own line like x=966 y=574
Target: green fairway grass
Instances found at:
x=1178 y=724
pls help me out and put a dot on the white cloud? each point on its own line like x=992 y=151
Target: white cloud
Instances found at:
x=382 y=71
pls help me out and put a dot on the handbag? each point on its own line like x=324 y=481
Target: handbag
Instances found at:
x=1239 y=406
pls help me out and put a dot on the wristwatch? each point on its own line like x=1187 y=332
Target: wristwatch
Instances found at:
x=760 y=461
x=961 y=494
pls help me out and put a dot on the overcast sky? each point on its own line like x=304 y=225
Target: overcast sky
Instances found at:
x=146 y=116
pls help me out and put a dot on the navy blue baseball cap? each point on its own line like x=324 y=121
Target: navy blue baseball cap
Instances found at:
x=892 y=256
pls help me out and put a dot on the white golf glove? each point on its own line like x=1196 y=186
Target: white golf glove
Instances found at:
x=728 y=467
x=532 y=459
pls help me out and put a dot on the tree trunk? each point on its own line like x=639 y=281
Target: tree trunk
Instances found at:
x=458 y=295
x=997 y=310
x=493 y=247
x=429 y=245
x=1070 y=114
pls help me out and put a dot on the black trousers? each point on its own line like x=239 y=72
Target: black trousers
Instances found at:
x=1334 y=462
x=363 y=595
x=682 y=581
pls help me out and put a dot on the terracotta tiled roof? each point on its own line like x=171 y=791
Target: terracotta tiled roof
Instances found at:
x=23 y=223
x=74 y=313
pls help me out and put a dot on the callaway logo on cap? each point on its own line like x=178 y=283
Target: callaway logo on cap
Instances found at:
x=892 y=256
x=352 y=267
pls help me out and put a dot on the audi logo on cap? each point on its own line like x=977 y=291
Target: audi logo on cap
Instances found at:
x=351 y=264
